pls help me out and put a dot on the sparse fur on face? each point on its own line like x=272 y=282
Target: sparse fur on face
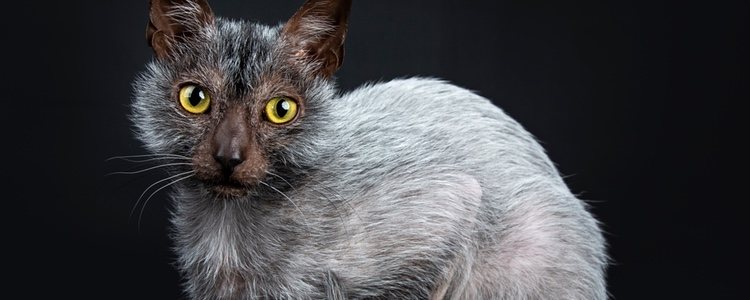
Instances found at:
x=407 y=189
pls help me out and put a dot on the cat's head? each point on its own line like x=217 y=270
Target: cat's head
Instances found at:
x=239 y=100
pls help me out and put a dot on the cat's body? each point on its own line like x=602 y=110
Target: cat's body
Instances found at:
x=410 y=189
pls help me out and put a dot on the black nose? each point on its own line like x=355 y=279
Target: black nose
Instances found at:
x=228 y=161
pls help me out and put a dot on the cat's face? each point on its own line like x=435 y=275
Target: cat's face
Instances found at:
x=238 y=100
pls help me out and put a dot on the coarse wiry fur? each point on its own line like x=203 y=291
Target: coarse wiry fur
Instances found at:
x=408 y=189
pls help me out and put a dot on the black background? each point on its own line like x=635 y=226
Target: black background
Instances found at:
x=638 y=103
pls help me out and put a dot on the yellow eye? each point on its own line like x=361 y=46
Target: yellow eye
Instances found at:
x=280 y=110
x=194 y=99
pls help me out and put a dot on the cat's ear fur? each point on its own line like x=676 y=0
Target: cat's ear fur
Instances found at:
x=315 y=35
x=171 y=21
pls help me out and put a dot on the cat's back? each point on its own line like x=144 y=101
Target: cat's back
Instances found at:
x=436 y=153
x=428 y=122
x=412 y=101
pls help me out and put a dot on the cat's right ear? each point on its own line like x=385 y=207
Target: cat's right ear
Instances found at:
x=172 y=21
x=316 y=33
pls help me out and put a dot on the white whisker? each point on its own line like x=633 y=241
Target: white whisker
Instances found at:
x=282 y=179
x=287 y=198
x=140 y=215
x=152 y=185
x=149 y=169
x=151 y=156
x=155 y=159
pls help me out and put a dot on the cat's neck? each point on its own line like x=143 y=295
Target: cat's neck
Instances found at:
x=222 y=241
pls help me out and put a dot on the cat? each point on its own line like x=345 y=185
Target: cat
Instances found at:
x=286 y=188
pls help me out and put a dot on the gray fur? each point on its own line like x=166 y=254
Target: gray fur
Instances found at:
x=408 y=189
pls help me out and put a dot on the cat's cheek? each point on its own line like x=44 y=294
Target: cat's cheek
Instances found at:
x=204 y=165
x=253 y=169
x=205 y=171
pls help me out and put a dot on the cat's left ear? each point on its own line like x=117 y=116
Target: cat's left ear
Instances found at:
x=172 y=21
x=315 y=35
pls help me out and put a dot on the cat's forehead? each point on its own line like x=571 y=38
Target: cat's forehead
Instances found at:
x=243 y=41
x=243 y=33
x=229 y=57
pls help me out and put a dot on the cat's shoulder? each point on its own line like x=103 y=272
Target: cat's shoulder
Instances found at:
x=417 y=92
x=435 y=87
x=435 y=95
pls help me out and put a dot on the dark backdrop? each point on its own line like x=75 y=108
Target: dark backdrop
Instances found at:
x=638 y=103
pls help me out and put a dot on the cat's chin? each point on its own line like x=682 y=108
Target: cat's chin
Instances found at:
x=229 y=190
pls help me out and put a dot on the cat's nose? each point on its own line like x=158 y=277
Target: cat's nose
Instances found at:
x=228 y=160
x=230 y=141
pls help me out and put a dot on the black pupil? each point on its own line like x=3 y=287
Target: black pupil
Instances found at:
x=196 y=96
x=281 y=108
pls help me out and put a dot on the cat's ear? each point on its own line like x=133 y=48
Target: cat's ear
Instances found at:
x=171 y=21
x=315 y=35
